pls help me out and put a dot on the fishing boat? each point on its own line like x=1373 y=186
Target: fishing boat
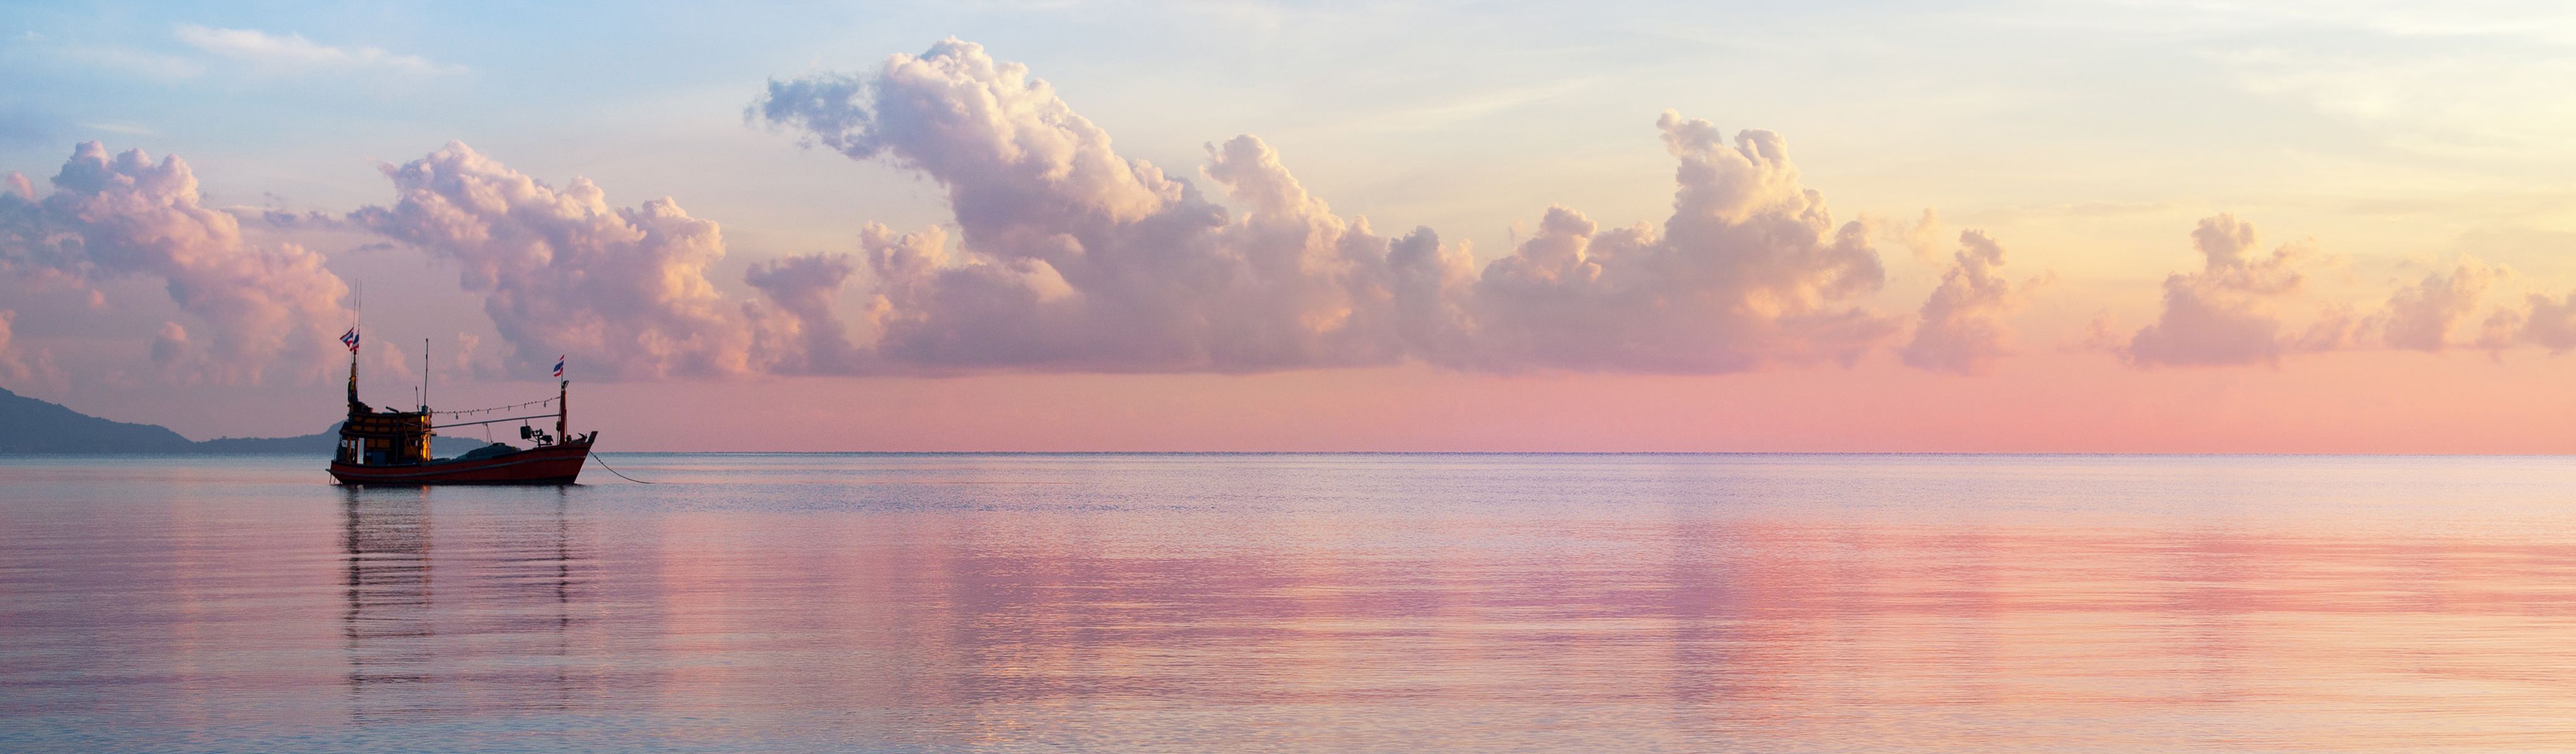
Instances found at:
x=392 y=447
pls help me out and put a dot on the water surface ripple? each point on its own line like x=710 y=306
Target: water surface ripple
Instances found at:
x=1184 y=603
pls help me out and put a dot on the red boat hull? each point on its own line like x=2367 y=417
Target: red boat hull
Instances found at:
x=550 y=464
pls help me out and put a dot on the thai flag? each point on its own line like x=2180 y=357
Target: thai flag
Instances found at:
x=350 y=339
x=559 y=360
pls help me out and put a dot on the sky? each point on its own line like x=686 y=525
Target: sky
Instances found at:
x=2276 y=227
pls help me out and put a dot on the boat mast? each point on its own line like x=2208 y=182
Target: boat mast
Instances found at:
x=424 y=375
x=563 y=396
x=357 y=316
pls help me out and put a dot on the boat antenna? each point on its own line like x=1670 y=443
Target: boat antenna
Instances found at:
x=424 y=375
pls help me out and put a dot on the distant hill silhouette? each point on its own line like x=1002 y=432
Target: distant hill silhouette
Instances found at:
x=31 y=427
x=28 y=425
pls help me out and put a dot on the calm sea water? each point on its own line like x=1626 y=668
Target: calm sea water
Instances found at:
x=1298 y=603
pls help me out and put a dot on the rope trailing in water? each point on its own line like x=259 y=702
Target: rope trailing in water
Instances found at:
x=603 y=463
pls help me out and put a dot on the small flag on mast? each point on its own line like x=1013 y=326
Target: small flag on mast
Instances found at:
x=559 y=360
x=350 y=339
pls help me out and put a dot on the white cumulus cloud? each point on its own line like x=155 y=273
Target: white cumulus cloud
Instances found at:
x=1072 y=257
x=1750 y=269
x=622 y=290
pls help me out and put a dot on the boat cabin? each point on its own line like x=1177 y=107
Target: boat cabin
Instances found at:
x=378 y=438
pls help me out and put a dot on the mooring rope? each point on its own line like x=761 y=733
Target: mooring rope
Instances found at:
x=603 y=463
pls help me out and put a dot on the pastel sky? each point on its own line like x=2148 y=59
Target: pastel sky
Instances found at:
x=2064 y=226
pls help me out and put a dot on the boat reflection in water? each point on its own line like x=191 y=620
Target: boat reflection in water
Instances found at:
x=493 y=627
x=388 y=623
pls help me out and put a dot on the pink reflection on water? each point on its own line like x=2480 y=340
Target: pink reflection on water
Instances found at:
x=1352 y=612
x=1750 y=632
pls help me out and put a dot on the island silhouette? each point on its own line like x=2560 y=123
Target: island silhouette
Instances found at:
x=34 y=427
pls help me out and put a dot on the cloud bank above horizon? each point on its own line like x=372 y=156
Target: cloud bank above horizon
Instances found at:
x=1066 y=256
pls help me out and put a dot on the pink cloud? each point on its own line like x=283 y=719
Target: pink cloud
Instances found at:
x=1750 y=269
x=270 y=311
x=1962 y=328
x=13 y=364
x=795 y=328
x=2545 y=321
x=1071 y=257
x=2422 y=316
x=2225 y=314
x=621 y=290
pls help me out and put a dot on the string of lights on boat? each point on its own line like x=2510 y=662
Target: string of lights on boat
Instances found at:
x=472 y=411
